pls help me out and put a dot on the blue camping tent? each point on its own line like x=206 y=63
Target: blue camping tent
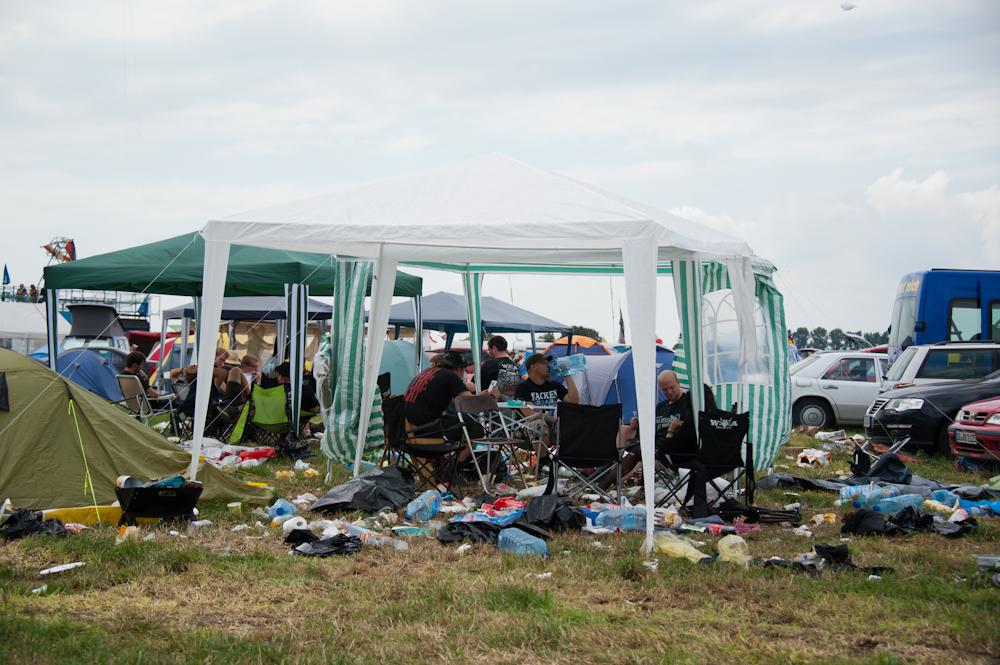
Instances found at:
x=91 y=371
x=398 y=360
x=611 y=379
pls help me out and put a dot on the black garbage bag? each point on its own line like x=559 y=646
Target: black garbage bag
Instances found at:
x=22 y=523
x=553 y=512
x=862 y=522
x=890 y=469
x=955 y=529
x=909 y=520
x=731 y=509
x=341 y=544
x=386 y=487
x=477 y=532
x=299 y=536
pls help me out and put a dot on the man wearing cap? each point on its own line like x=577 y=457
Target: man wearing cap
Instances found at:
x=500 y=368
x=538 y=389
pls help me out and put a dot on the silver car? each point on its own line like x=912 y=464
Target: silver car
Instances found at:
x=941 y=362
x=836 y=387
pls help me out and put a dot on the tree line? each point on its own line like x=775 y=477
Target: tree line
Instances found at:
x=819 y=338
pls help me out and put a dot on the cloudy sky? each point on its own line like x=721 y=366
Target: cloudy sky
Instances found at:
x=848 y=147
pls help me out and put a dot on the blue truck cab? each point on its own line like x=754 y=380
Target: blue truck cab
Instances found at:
x=945 y=306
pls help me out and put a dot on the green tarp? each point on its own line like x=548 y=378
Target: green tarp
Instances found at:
x=174 y=267
x=43 y=464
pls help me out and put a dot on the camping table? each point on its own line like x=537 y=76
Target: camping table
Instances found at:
x=528 y=426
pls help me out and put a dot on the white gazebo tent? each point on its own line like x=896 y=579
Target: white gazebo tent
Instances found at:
x=494 y=214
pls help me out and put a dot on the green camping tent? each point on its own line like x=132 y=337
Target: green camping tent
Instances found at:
x=45 y=458
x=174 y=267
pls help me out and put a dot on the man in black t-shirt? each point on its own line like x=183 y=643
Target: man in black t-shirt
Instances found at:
x=431 y=392
x=133 y=365
x=538 y=389
x=500 y=368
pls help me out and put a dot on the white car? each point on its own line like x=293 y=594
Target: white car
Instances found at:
x=836 y=387
x=941 y=362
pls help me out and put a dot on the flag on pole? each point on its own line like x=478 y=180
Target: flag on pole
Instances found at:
x=621 y=327
x=6 y=277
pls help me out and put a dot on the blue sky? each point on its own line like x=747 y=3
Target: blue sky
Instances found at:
x=848 y=147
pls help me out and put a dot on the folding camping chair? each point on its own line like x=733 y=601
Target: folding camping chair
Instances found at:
x=480 y=412
x=423 y=449
x=265 y=418
x=137 y=403
x=588 y=447
x=722 y=435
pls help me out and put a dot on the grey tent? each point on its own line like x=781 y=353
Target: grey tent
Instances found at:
x=446 y=313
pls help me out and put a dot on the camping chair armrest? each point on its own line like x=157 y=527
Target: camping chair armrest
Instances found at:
x=630 y=445
x=426 y=430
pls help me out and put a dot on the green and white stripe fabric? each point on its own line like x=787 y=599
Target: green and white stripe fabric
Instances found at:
x=472 y=283
x=769 y=405
x=296 y=309
x=342 y=368
x=688 y=291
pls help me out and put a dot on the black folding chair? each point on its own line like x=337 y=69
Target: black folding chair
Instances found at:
x=423 y=449
x=588 y=447
x=722 y=435
x=676 y=457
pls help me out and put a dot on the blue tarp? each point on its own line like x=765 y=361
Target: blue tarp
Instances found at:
x=91 y=371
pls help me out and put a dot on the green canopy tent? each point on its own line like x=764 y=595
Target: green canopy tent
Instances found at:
x=174 y=267
x=48 y=452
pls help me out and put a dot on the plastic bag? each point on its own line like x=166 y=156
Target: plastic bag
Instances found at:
x=569 y=365
x=734 y=549
x=667 y=543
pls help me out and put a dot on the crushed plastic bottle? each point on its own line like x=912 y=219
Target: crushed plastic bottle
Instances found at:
x=897 y=503
x=569 y=365
x=281 y=508
x=520 y=542
x=378 y=540
x=947 y=497
x=626 y=519
x=364 y=466
x=850 y=492
x=424 y=507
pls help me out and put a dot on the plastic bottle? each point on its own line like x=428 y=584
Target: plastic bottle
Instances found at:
x=722 y=529
x=981 y=508
x=626 y=519
x=568 y=365
x=520 y=542
x=897 y=503
x=424 y=507
x=365 y=466
x=875 y=496
x=947 y=497
x=281 y=508
x=849 y=492
x=369 y=537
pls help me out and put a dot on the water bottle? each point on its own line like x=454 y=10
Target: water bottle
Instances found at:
x=569 y=365
x=519 y=542
x=424 y=507
x=626 y=519
x=947 y=497
x=281 y=508
x=364 y=466
x=369 y=537
x=875 y=496
x=850 y=492
x=897 y=503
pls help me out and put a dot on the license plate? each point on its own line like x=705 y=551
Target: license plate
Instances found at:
x=868 y=421
x=961 y=436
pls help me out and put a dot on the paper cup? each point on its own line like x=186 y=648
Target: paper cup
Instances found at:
x=234 y=506
x=126 y=481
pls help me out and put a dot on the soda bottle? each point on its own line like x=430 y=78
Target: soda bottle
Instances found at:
x=369 y=537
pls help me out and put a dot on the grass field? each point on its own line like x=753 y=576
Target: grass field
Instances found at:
x=172 y=600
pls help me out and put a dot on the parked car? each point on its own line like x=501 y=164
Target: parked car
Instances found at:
x=944 y=361
x=835 y=387
x=976 y=432
x=924 y=412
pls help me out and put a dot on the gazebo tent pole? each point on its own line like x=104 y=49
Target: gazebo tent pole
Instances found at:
x=163 y=343
x=185 y=328
x=418 y=334
x=213 y=287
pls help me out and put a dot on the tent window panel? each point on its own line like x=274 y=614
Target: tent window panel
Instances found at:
x=722 y=342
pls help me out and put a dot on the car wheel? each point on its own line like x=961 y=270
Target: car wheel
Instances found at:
x=813 y=412
x=941 y=441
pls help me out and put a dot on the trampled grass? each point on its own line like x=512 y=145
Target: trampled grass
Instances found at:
x=172 y=600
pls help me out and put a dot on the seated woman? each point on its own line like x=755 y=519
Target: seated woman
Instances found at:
x=237 y=389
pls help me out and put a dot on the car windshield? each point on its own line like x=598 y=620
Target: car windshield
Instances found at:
x=802 y=364
x=897 y=368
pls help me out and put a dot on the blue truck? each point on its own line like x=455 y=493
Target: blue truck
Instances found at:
x=945 y=306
